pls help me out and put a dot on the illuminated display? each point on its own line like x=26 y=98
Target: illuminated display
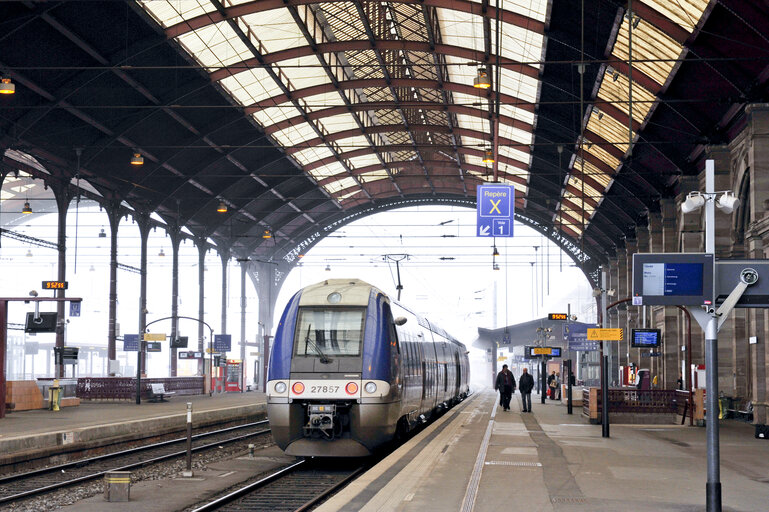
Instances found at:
x=55 y=285
x=557 y=316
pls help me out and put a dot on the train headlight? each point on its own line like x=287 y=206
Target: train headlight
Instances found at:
x=334 y=298
x=280 y=388
x=370 y=387
x=297 y=388
x=351 y=388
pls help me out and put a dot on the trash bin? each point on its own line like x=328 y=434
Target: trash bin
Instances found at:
x=117 y=486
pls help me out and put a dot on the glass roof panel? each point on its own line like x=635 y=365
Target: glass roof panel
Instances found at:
x=271 y=115
x=520 y=44
x=479 y=124
x=651 y=45
x=169 y=13
x=326 y=171
x=215 y=45
x=373 y=176
x=577 y=200
x=336 y=186
x=684 y=13
x=515 y=134
x=590 y=192
x=514 y=153
x=610 y=129
x=534 y=9
x=251 y=86
x=461 y=29
x=359 y=162
x=516 y=113
x=273 y=30
x=338 y=123
x=593 y=172
x=519 y=86
x=295 y=135
x=314 y=154
x=321 y=101
x=352 y=143
x=303 y=72
x=617 y=92
x=601 y=153
x=517 y=186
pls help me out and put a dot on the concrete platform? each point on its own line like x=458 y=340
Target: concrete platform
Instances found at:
x=480 y=458
x=39 y=433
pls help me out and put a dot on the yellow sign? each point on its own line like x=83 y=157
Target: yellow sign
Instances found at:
x=541 y=351
x=501 y=359
x=605 y=334
x=154 y=336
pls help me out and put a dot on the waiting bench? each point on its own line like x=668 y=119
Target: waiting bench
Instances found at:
x=158 y=392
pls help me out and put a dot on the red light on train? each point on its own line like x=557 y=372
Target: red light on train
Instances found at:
x=351 y=388
x=297 y=388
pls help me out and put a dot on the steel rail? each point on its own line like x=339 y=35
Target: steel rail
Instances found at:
x=99 y=473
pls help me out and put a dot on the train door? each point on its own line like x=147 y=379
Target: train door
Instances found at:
x=458 y=370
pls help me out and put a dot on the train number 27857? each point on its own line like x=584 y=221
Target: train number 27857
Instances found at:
x=324 y=389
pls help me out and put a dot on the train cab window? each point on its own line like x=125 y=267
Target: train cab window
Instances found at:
x=323 y=332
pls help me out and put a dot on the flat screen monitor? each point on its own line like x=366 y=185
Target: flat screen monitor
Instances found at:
x=46 y=322
x=669 y=279
x=645 y=338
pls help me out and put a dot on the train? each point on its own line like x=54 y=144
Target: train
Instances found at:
x=351 y=369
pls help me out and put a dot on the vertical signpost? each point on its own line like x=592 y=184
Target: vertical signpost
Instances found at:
x=495 y=209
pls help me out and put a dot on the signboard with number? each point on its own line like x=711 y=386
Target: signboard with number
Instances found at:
x=55 y=285
x=496 y=209
x=532 y=352
x=605 y=334
x=557 y=316
x=222 y=342
x=130 y=343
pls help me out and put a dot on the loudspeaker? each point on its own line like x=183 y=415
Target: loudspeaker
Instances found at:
x=180 y=342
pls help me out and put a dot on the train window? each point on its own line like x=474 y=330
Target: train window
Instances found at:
x=323 y=332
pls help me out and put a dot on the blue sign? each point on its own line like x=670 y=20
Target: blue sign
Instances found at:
x=130 y=343
x=576 y=336
x=74 y=309
x=222 y=342
x=496 y=209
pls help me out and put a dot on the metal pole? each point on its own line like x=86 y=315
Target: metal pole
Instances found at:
x=188 y=473
x=605 y=398
x=543 y=375
x=568 y=389
x=713 y=486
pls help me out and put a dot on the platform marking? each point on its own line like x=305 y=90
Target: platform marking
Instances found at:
x=226 y=474
x=468 y=504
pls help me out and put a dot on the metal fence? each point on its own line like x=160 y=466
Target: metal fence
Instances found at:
x=124 y=388
x=641 y=401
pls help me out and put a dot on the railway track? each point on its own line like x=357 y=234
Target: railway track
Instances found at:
x=25 y=485
x=294 y=488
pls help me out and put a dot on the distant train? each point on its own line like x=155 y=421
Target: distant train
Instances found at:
x=351 y=368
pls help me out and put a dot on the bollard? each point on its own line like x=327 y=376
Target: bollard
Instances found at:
x=55 y=396
x=117 y=486
x=188 y=472
x=251 y=451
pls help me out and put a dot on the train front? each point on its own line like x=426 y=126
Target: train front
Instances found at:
x=329 y=389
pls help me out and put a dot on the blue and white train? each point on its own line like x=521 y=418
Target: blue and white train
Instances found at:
x=350 y=368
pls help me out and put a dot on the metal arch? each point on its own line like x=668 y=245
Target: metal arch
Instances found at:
x=257 y=6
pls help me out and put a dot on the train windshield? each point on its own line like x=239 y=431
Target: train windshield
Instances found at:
x=324 y=332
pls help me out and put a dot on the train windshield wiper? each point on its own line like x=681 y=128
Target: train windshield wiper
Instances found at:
x=323 y=357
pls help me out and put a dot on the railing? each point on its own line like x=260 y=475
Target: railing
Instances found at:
x=124 y=388
x=637 y=401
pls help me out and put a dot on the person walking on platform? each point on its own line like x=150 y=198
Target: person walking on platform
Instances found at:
x=526 y=384
x=552 y=384
x=506 y=385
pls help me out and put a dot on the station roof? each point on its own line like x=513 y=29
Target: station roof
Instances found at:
x=300 y=116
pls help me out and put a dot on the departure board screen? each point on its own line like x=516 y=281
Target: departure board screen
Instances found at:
x=672 y=279
x=645 y=338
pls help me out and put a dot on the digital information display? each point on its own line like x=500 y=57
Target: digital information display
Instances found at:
x=645 y=338
x=532 y=352
x=557 y=316
x=672 y=279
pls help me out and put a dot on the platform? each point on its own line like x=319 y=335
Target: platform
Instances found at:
x=480 y=458
x=27 y=434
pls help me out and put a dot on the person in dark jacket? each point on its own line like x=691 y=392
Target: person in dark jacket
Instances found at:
x=552 y=384
x=506 y=385
x=526 y=384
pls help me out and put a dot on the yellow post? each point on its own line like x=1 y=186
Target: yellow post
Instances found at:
x=55 y=395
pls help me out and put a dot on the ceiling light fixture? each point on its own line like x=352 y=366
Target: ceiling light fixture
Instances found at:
x=495 y=252
x=161 y=253
x=137 y=159
x=488 y=157
x=102 y=234
x=482 y=80
x=27 y=208
x=7 y=87
x=328 y=268
x=222 y=208
x=267 y=234
x=29 y=253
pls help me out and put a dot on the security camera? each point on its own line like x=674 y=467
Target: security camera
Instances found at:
x=749 y=276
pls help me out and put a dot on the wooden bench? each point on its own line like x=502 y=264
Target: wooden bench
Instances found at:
x=158 y=392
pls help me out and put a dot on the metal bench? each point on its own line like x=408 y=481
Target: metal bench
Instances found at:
x=158 y=392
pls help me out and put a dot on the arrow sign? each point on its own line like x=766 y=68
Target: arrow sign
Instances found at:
x=495 y=209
